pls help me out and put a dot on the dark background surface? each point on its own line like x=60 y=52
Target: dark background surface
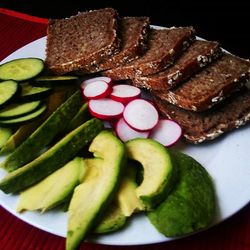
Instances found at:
x=226 y=22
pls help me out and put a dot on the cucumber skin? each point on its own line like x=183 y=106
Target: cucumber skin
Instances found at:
x=52 y=159
x=44 y=134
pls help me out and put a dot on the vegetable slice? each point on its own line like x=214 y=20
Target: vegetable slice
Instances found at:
x=26 y=118
x=124 y=93
x=141 y=115
x=8 y=91
x=5 y=134
x=54 y=81
x=21 y=69
x=31 y=93
x=97 y=90
x=105 y=109
x=167 y=132
x=15 y=110
x=125 y=132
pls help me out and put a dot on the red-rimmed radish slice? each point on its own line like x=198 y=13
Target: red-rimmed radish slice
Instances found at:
x=125 y=132
x=167 y=132
x=141 y=115
x=94 y=79
x=105 y=108
x=124 y=93
x=96 y=90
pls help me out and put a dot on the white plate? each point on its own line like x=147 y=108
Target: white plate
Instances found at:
x=226 y=159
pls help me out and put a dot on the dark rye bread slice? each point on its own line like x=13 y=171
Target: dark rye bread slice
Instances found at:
x=197 y=56
x=210 y=86
x=224 y=117
x=133 y=34
x=163 y=47
x=81 y=40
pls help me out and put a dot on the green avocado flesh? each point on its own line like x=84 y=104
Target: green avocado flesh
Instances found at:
x=158 y=170
x=94 y=194
x=124 y=205
x=191 y=204
x=52 y=190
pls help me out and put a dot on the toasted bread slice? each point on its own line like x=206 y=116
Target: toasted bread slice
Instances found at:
x=163 y=47
x=208 y=125
x=210 y=86
x=133 y=34
x=81 y=40
x=197 y=56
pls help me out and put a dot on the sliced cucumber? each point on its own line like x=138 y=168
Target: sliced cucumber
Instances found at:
x=8 y=91
x=21 y=69
x=55 y=81
x=5 y=134
x=31 y=93
x=16 y=110
x=25 y=118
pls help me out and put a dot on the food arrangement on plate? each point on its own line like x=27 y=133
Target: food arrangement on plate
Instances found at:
x=54 y=113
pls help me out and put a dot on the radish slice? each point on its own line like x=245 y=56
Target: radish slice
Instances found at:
x=167 y=132
x=96 y=90
x=141 y=115
x=105 y=109
x=124 y=93
x=125 y=132
x=99 y=78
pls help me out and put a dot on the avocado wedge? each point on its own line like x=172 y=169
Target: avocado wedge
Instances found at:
x=93 y=195
x=191 y=204
x=159 y=171
x=50 y=192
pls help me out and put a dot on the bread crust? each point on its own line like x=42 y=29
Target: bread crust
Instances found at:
x=163 y=48
x=232 y=113
x=197 y=56
x=210 y=86
x=84 y=39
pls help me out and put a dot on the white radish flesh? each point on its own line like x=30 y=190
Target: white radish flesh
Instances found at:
x=125 y=132
x=105 y=108
x=167 y=132
x=94 y=79
x=96 y=90
x=141 y=115
x=124 y=93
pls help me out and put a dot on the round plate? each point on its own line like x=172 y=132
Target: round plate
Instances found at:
x=226 y=159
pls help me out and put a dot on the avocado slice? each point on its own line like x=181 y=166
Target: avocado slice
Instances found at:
x=159 y=172
x=191 y=204
x=124 y=204
x=112 y=219
x=5 y=134
x=50 y=192
x=100 y=182
x=52 y=159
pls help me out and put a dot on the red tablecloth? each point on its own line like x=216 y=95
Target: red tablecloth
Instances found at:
x=233 y=234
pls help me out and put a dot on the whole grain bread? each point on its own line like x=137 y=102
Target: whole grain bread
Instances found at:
x=163 y=47
x=197 y=56
x=210 y=86
x=82 y=40
x=133 y=32
x=208 y=125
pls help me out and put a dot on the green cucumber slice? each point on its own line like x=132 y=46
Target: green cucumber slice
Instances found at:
x=31 y=93
x=23 y=119
x=15 y=110
x=21 y=69
x=8 y=91
x=5 y=134
x=55 y=81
